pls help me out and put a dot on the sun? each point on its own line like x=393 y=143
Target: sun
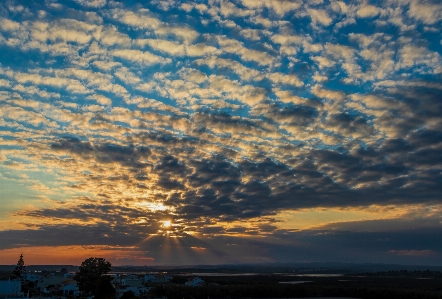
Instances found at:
x=167 y=223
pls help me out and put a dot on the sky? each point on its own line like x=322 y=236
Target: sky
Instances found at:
x=171 y=132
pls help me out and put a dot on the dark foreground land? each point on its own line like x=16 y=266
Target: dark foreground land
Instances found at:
x=381 y=285
x=247 y=282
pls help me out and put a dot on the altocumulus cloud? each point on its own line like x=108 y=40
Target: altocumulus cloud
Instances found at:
x=222 y=117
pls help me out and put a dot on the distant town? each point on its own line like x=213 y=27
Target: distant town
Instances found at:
x=63 y=283
x=95 y=278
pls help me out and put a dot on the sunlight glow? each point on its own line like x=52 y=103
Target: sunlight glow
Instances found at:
x=318 y=217
x=154 y=206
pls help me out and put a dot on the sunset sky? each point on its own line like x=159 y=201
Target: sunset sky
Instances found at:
x=214 y=132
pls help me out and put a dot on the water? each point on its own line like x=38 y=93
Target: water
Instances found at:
x=328 y=298
x=221 y=274
x=319 y=275
x=295 y=282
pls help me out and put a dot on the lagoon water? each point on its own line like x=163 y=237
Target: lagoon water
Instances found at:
x=295 y=282
x=319 y=275
x=221 y=274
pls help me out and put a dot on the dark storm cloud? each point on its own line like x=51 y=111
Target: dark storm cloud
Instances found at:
x=166 y=139
x=167 y=183
x=368 y=246
x=321 y=178
x=427 y=157
x=72 y=144
x=424 y=137
x=265 y=169
x=413 y=222
x=217 y=169
x=226 y=186
x=227 y=122
x=106 y=153
x=387 y=243
x=418 y=106
x=396 y=145
x=60 y=235
x=170 y=164
x=346 y=123
x=106 y=211
x=291 y=115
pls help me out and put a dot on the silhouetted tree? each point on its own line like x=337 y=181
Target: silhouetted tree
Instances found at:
x=92 y=278
x=105 y=289
x=19 y=270
x=128 y=295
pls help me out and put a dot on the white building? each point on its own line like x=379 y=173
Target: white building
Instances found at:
x=70 y=288
x=10 y=288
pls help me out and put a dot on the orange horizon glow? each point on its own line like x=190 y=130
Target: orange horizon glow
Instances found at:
x=73 y=255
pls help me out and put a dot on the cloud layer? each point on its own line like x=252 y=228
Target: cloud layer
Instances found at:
x=221 y=117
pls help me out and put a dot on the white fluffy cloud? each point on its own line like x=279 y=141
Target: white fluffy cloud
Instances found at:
x=137 y=56
x=92 y=3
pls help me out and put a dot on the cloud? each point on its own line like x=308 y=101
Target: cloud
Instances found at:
x=245 y=93
x=143 y=20
x=118 y=116
x=105 y=65
x=110 y=37
x=9 y=25
x=70 y=84
x=367 y=11
x=288 y=39
x=288 y=97
x=93 y=3
x=411 y=56
x=27 y=117
x=318 y=91
x=412 y=252
x=323 y=61
x=100 y=99
x=425 y=12
x=279 y=7
x=5 y=83
x=68 y=30
x=172 y=48
x=125 y=75
x=228 y=9
x=137 y=56
x=350 y=125
x=200 y=50
x=186 y=7
x=245 y=73
x=319 y=16
x=252 y=34
x=279 y=78
x=236 y=47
